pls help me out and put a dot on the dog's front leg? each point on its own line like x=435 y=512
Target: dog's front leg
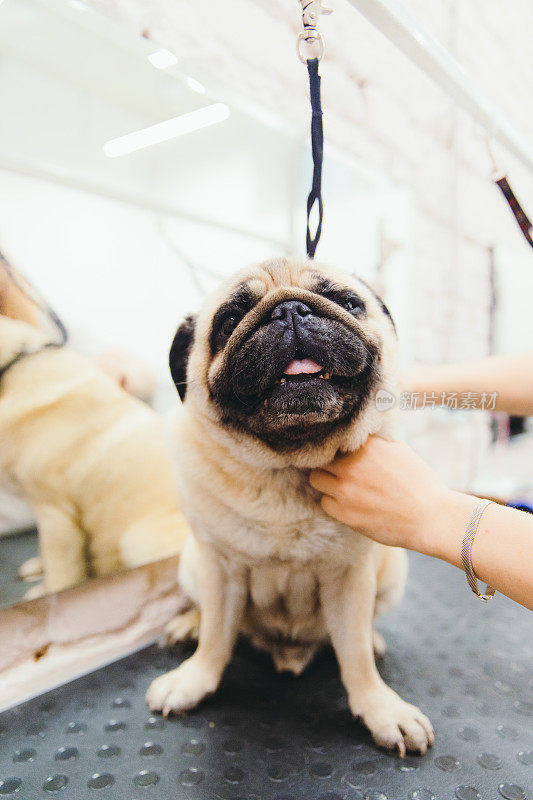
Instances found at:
x=62 y=546
x=348 y=604
x=222 y=603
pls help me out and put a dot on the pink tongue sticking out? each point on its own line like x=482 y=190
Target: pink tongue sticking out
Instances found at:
x=301 y=367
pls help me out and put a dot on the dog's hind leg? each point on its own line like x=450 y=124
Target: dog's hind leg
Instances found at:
x=379 y=643
x=183 y=628
x=391 y=579
x=152 y=539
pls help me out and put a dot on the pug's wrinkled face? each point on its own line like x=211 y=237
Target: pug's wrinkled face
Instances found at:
x=288 y=352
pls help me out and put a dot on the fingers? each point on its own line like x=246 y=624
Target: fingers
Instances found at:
x=344 y=463
x=374 y=448
x=332 y=507
x=323 y=481
x=328 y=485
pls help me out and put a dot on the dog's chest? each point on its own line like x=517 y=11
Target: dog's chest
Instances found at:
x=302 y=540
x=279 y=521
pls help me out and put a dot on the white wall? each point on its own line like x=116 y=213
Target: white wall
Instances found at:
x=383 y=110
x=122 y=274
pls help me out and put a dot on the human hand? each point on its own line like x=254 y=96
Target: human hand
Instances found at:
x=384 y=491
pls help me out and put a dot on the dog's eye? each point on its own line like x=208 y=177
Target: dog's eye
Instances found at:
x=353 y=304
x=345 y=298
x=229 y=325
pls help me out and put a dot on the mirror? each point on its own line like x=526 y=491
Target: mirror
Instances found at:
x=127 y=190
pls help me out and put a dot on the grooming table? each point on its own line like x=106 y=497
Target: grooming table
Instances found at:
x=265 y=736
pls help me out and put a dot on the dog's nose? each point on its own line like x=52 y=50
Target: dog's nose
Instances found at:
x=290 y=309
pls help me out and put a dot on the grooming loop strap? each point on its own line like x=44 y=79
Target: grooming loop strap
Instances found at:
x=317 y=145
x=311 y=41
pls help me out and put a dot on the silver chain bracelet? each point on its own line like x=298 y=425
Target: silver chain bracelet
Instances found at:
x=466 y=552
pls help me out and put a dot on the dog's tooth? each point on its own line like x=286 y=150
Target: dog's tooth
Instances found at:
x=326 y=376
x=282 y=380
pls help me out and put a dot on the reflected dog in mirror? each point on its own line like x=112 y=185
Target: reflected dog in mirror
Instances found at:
x=89 y=458
x=278 y=373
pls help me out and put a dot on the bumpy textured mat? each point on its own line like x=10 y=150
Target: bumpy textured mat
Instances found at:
x=270 y=737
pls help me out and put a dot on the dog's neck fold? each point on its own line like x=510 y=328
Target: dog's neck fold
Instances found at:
x=239 y=448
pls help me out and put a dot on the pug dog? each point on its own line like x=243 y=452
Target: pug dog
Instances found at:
x=278 y=373
x=89 y=459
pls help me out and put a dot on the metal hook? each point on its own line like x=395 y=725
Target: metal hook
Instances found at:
x=309 y=37
x=311 y=10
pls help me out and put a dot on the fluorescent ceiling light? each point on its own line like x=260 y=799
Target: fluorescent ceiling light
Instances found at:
x=163 y=131
x=162 y=59
x=195 y=85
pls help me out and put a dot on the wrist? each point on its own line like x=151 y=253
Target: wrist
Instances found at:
x=441 y=529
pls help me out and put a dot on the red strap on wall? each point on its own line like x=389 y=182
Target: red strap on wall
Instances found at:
x=520 y=215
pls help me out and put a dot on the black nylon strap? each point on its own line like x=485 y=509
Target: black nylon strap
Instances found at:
x=25 y=354
x=520 y=215
x=33 y=296
x=317 y=145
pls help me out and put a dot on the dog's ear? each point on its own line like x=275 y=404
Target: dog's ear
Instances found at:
x=381 y=303
x=179 y=354
x=387 y=313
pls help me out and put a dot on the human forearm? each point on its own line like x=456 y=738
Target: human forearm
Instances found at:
x=509 y=378
x=502 y=549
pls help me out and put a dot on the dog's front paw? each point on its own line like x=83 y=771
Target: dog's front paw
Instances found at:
x=394 y=723
x=39 y=590
x=30 y=569
x=182 y=688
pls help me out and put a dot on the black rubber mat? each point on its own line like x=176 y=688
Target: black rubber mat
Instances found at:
x=15 y=548
x=270 y=737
